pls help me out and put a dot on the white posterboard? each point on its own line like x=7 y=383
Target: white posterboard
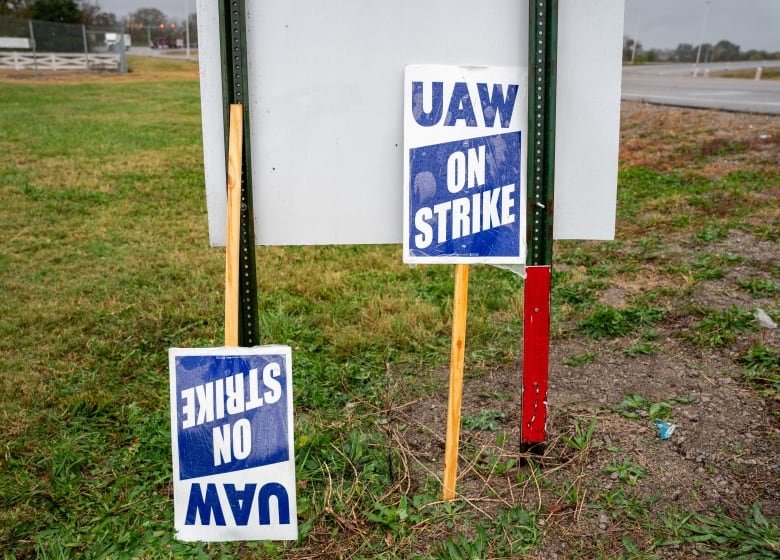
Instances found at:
x=232 y=444
x=326 y=109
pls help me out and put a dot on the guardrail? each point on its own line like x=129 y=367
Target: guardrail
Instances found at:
x=59 y=61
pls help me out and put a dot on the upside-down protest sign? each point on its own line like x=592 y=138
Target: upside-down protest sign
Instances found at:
x=464 y=194
x=232 y=437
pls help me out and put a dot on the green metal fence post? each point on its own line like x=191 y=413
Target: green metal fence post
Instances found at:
x=542 y=55
x=235 y=90
x=542 y=67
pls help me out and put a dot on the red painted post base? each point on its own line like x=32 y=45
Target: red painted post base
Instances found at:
x=536 y=356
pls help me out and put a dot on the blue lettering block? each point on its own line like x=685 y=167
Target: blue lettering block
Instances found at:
x=465 y=198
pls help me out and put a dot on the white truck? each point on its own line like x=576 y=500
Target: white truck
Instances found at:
x=113 y=39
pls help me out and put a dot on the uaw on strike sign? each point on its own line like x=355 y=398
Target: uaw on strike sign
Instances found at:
x=232 y=432
x=464 y=200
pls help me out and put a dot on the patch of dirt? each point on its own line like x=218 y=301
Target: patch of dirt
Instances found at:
x=725 y=452
x=712 y=142
x=620 y=290
x=740 y=243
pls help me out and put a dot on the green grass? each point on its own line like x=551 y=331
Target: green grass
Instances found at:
x=626 y=471
x=758 y=287
x=487 y=420
x=721 y=328
x=655 y=202
x=105 y=264
x=762 y=369
x=636 y=406
x=753 y=536
x=609 y=322
x=750 y=74
x=580 y=359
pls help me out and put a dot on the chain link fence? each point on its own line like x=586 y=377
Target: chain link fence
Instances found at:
x=49 y=46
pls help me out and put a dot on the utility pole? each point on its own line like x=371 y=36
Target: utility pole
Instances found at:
x=701 y=36
x=187 y=26
x=636 y=35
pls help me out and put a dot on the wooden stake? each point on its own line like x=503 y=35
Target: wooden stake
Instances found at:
x=235 y=139
x=457 y=351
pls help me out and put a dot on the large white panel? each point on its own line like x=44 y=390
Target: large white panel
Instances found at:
x=590 y=39
x=210 y=67
x=326 y=84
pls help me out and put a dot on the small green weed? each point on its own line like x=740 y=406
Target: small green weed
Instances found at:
x=629 y=505
x=710 y=233
x=582 y=436
x=608 y=322
x=627 y=472
x=643 y=315
x=605 y=322
x=521 y=529
x=758 y=287
x=463 y=547
x=636 y=406
x=754 y=537
x=762 y=369
x=510 y=535
x=487 y=420
x=501 y=465
x=641 y=347
x=578 y=293
x=708 y=267
x=633 y=552
x=720 y=328
x=394 y=518
x=580 y=359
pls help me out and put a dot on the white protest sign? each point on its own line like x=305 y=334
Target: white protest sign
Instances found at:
x=464 y=200
x=232 y=437
x=326 y=109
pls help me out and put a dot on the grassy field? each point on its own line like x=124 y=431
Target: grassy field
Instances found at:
x=766 y=74
x=105 y=264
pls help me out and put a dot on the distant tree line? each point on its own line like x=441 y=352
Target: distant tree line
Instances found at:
x=722 y=51
x=146 y=26
x=59 y=11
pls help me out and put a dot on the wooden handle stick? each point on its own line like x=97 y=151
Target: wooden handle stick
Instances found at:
x=235 y=138
x=457 y=351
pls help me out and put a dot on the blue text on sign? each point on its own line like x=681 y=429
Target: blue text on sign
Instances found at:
x=232 y=414
x=461 y=107
x=240 y=503
x=464 y=197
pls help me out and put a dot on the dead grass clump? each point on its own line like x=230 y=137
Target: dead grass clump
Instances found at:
x=707 y=141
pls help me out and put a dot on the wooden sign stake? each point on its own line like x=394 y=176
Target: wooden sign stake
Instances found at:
x=457 y=352
x=235 y=138
x=235 y=86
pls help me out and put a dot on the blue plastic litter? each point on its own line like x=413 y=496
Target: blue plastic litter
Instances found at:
x=665 y=429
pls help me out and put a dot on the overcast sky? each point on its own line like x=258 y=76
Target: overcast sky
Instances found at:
x=751 y=24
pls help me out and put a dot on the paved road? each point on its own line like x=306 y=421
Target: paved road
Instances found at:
x=673 y=84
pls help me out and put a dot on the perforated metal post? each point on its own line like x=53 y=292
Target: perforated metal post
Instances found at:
x=234 y=88
x=542 y=64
